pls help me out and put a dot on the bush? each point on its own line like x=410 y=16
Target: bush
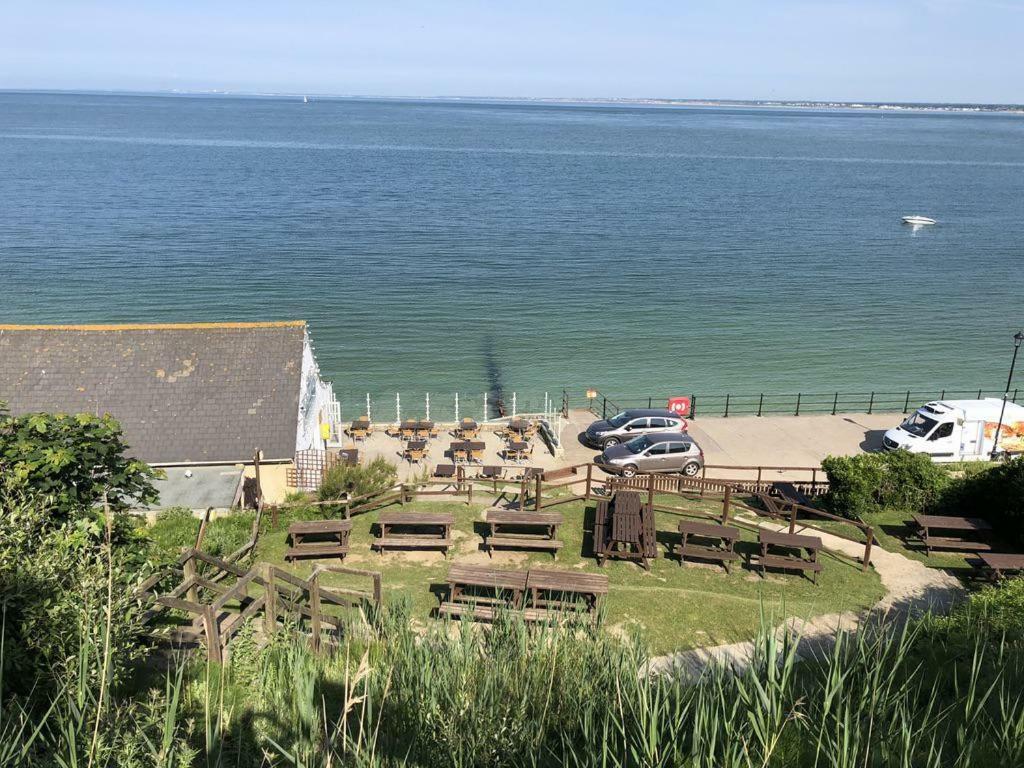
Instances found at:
x=375 y=477
x=994 y=612
x=862 y=484
x=996 y=494
x=176 y=529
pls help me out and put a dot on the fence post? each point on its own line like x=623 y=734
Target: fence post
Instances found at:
x=942 y=395
x=727 y=406
x=693 y=406
x=522 y=493
x=189 y=572
x=650 y=400
x=269 y=602
x=867 y=548
x=590 y=478
x=906 y=403
x=979 y=394
x=650 y=494
x=401 y=491
x=703 y=478
x=213 y=649
x=814 y=480
x=604 y=407
x=792 y=518
x=760 y=403
x=835 y=404
x=759 y=468
x=537 y=490
x=314 y=611
x=469 y=493
x=871 y=403
x=726 y=500
x=1014 y=395
x=798 y=396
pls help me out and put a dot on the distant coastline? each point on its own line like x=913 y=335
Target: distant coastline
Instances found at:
x=881 y=106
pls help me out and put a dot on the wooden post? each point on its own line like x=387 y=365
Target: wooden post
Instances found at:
x=590 y=479
x=401 y=491
x=537 y=491
x=189 y=571
x=213 y=649
x=726 y=503
x=759 y=468
x=792 y=518
x=867 y=548
x=469 y=493
x=314 y=611
x=269 y=602
x=814 y=480
x=202 y=529
x=703 y=478
x=650 y=494
x=522 y=493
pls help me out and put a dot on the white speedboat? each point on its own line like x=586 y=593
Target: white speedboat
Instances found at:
x=918 y=221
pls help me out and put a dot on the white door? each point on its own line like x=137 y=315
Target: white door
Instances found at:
x=942 y=443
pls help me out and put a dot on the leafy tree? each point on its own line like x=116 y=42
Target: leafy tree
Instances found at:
x=375 y=477
x=995 y=494
x=73 y=460
x=865 y=483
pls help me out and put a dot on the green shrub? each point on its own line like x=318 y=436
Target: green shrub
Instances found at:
x=375 y=477
x=995 y=494
x=176 y=529
x=995 y=612
x=865 y=483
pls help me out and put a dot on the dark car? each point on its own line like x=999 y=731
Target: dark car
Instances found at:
x=629 y=424
x=664 y=452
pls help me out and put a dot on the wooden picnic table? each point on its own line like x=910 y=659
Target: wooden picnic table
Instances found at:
x=318 y=538
x=714 y=542
x=476 y=450
x=522 y=530
x=550 y=589
x=974 y=525
x=624 y=529
x=999 y=564
x=517 y=450
x=428 y=530
x=459 y=450
x=467 y=429
x=479 y=591
x=789 y=541
x=416 y=450
x=359 y=429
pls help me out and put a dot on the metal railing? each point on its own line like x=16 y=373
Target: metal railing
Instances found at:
x=795 y=404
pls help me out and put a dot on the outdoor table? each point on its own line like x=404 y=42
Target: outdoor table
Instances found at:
x=998 y=565
x=517 y=450
x=519 y=530
x=723 y=551
x=556 y=589
x=476 y=450
x=359 y=429
x=927 y=523
x=467 y=428
x=407 y=429
x=318 y=538
x=429 y=530
x=415 y=450
x=424 y=429
x=499 y=581
x=459 y=451
x=789 y=541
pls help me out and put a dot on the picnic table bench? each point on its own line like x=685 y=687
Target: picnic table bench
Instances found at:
x=998 y=564
x=790 y=494
x=416 y=451
x=559 y=590
x=459 y=450
x=480 y=592
x=714 y=542
x=518 y=450
x=624 y=529
x=467 y=429
x=418 y=530
x=790 y=562
x=520 y=530
x=318 y=538
x=975 y=525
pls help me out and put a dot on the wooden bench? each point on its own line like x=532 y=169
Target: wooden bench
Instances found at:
x=624 y=529
x=789 y=562
x=790 y=494
x=318 y=538
x=559 y=590
x=423 y=530
x=480 y=592
x=997 y=565
x=723 y=549
x=524 y=530
x=968 y=525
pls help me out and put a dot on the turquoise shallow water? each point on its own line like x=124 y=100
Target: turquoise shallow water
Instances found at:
x=458 y=247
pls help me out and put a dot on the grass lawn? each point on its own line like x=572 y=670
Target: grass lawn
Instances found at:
x=675 y=607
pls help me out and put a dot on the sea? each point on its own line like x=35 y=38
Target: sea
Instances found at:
x=449 y=247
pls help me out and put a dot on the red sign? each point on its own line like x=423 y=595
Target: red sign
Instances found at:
x=679 y=405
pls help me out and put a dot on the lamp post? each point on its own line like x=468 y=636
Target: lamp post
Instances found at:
x=1018 y=337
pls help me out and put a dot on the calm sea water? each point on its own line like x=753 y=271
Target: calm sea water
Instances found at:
x=439 y=247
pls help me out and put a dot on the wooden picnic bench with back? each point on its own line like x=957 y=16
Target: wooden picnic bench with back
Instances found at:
x=775 y=540
x=561 y=591
x=480 y=592
x=318 y=538
x=522 y=530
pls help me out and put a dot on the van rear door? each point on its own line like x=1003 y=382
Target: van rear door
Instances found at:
x=972 y=440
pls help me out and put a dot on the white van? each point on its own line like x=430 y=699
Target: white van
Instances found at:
x=959 y=430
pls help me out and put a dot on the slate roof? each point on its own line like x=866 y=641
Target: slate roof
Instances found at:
x=182 y=392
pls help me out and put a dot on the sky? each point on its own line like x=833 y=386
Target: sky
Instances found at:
x=876 y=50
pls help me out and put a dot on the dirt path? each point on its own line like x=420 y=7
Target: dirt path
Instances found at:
x=911 y=588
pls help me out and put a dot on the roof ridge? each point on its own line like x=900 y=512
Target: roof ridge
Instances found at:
x=155 y=326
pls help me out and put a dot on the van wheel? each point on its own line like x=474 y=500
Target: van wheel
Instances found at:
x=610 y=442
x=629 y=470
x=691 y=469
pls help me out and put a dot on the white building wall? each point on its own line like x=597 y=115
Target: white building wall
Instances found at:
x=316 y=402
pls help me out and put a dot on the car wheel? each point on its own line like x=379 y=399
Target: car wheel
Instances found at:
x=691 y=469
x=610 y=442
x=629 y=470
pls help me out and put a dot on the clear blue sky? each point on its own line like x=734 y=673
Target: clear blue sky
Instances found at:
x=908 y=50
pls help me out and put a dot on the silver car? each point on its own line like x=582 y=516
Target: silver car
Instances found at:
x=629 y=424
x=664 y=452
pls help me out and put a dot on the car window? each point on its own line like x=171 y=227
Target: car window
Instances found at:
x=638 y=424
x=657 y=423
x=679 y=448
x=658 y=449
x=943 y=430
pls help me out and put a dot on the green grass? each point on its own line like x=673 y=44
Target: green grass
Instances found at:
x=676 y=607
